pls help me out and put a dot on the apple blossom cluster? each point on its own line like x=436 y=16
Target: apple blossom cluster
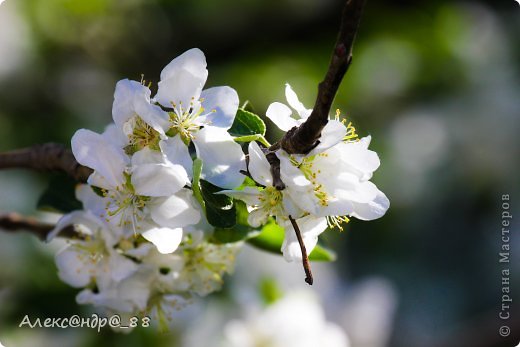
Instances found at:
x=161 y=221
x=144 y=240
x=323 y=187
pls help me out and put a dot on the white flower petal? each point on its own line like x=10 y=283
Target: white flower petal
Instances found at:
x=290 y=174
x=220 y=106
x=182 y=79
x=158 y=179
x=280 y=115
x=131 y=98
x=222 y=158
x=356 y=156
x=332 y=134
x=72 y=269
x=250 y=195
x=259 y=166
x=257 y=217
x=115 y=135
x=295 y=103
x=310 y=227
x=88 y=221
x=90 y=200
x=153 y=175
x=296 y=204
x=372 y=210
x=147 y=156
x=349 y=188
x=120 y=267
x=165 y=239
x=92 y=150
x=123 y=106
x=177 y=153
x=176 y=211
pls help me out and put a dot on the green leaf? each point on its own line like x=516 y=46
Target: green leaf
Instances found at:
x=237 y=233
x=271 y=239
x=241 y=231
x=270 y=292
x=195 y=186
x=248 y=106
x=220 y=210
x=247 y=123
x=322 y=253
x=251 y=138
x=59 y=196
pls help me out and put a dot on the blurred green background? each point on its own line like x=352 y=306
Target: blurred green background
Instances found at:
x=436 y=84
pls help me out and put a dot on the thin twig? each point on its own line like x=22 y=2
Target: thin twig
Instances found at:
x=274 y=162
x=14 y=222
x=302 y=139
x=45 y=157
x=305 y=257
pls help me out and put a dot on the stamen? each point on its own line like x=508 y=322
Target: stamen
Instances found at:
x=336 y=221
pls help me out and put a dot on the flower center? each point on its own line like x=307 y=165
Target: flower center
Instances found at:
x=92 y=250
x=306 y=166
x=270 y=200
x=125 y=204
x=351 y=135
x=337 y=221
x=183 y=120
x=140 y=135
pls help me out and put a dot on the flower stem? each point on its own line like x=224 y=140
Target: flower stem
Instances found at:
x=305 y=257
x=250 y=138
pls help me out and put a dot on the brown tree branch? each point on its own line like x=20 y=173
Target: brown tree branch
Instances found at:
x=305 y=257
x=302 y=139
x=45 y=157
x=14 y=222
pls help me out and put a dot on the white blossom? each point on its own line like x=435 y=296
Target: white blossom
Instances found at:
x=143 y=194
x=340 y=178
x=281 y=115
x=296 y=201
x=214 y=109
x=339 y=168
x=140 y=123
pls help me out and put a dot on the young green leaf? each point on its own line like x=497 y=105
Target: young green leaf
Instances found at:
x=195 y=186
x=247 y=123
x=241 y=231
x=271 y=239
x=220 y=209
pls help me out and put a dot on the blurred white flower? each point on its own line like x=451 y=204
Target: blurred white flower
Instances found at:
x=296 y=320
x=204 y=266
x=15 y=39
x=91 y=258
